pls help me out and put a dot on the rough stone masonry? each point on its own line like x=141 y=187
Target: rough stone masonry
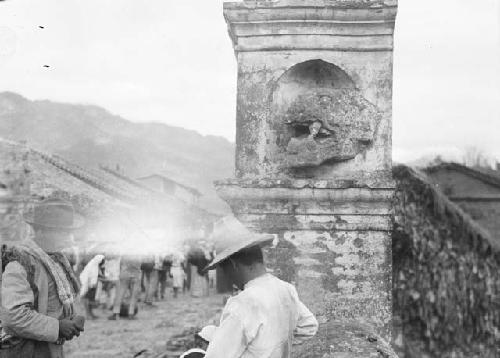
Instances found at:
x=313 y=148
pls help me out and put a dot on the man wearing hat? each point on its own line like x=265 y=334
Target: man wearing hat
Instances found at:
x=39 y=286
x=265 y=317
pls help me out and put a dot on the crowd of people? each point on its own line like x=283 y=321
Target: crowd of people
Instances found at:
x=119 y=282
x=40 y=291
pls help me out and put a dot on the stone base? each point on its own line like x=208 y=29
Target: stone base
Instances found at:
x=334 y=243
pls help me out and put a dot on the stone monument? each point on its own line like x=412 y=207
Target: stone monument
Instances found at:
x=313 y=147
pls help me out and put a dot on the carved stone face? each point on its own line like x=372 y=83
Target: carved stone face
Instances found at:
x=314 y=128
x=332 y=126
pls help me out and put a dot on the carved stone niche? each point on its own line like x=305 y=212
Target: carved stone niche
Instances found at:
x=321 y=117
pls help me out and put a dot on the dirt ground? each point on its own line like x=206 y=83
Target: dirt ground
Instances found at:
x=151 y=330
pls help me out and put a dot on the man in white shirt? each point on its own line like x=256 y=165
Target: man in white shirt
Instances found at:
x=263 y=320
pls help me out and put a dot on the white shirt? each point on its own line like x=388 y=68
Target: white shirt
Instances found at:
x=112 y=269
x=262 y=321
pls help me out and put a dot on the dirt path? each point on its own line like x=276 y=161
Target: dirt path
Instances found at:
x=151 y=330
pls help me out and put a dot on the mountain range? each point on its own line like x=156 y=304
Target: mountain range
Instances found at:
x=91 y=136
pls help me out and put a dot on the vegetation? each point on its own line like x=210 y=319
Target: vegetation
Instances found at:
x=446 y=281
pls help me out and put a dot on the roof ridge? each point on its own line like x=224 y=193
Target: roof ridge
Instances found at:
x=488 y=178
x=469 y=225
x=173 y=180
x=82 y=174
x=126 y=178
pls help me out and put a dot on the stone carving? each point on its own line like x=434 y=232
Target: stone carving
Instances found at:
x=332 y=125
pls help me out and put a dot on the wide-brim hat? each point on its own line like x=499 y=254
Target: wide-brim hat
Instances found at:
x=54 y=213
x=230 y=237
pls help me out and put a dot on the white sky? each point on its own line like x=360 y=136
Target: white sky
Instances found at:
x=172 y=61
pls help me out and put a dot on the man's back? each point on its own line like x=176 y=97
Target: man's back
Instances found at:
x=262 y=321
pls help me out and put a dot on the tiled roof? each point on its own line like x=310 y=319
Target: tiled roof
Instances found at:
x=488 y=176
x=43 y=175
x=126 y=179
x=100 y=186
x=192 y=190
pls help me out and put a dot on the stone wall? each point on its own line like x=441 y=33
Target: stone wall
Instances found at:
x=486 y=213
x=446 y=274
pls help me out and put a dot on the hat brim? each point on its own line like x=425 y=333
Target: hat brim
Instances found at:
x=78 y=222
x=261 y=241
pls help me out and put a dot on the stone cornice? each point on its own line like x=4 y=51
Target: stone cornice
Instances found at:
x=273 y=4
x=315 y=25
x=375 y=183
x=316 y=204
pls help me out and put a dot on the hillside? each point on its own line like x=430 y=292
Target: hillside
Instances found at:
x=91 y=136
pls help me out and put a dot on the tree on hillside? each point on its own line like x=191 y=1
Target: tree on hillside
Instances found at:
x=475 y=157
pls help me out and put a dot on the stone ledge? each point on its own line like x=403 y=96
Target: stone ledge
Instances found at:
x=299 y=27
x=316 y=43
x=273 y=222
x=307 y=13
x=267 y=4
x=368 y=183
x=311 y=207
x=263 y=193
x=319 y=204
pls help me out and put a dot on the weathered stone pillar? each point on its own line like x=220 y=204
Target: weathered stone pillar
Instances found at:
x=313 y=147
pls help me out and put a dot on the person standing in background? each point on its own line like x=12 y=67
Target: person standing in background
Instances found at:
x=187 y=279
x=90 y=277
x=158 y=274
x=212 y=278
x=163 y=275
x=111 y=279
x=199 y=279
x=130 y=280
x=147 y=268
x=178 y=277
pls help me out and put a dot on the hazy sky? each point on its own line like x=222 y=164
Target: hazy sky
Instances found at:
x=172 y=61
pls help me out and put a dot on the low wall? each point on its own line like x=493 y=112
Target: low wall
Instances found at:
x=446 y=274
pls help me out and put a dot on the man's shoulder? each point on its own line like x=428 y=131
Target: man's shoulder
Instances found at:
x=257 y=290
x=283 y=283
x=14 y=276
x=15 y=258
x=277 y=279
x=243 y=301
x=246 y=308
x=14 y=267
x=274 y=282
